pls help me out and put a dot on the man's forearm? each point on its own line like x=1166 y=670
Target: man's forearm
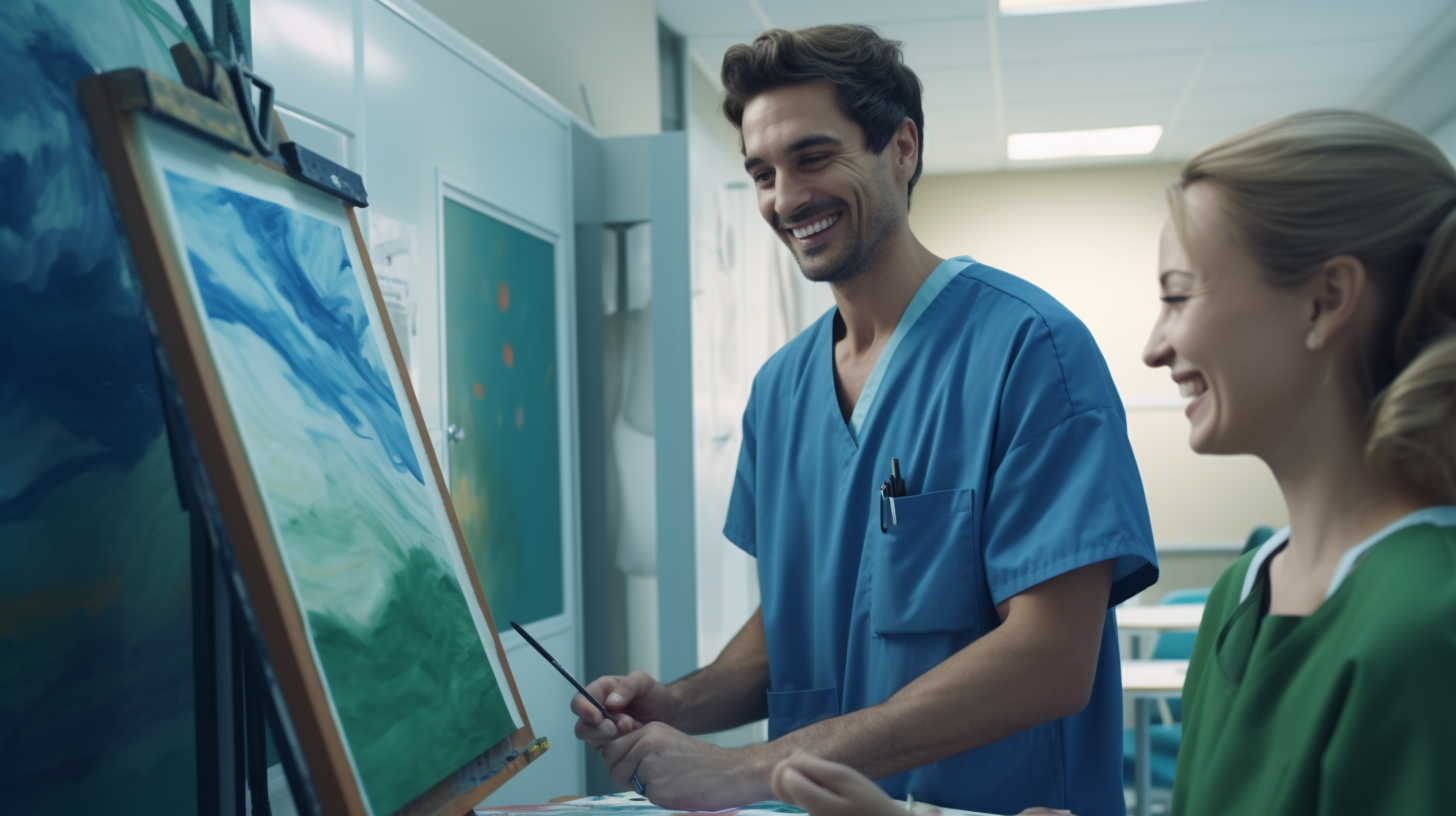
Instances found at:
x=729 y=692
x=1037 y=666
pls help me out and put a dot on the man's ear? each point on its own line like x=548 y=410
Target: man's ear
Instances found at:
x=906 y=146
x=1336 y=293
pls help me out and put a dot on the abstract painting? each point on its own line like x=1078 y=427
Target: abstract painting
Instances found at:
x=501 y=393
x=96 y=692
x=355 y=512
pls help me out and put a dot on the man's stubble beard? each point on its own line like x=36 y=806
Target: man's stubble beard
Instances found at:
x=859 y=254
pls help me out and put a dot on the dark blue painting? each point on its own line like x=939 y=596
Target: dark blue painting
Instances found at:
x=95 y=635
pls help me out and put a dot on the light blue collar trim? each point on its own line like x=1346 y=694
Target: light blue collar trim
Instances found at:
x=948 y=269
x=1442 y=516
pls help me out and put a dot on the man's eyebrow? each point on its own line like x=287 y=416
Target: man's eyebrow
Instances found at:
x=814 y=141
x=803 y=144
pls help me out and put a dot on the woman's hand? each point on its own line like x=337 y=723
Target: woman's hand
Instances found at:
x=827 y=788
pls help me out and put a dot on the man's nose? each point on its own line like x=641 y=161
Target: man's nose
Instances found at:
x=790 y=196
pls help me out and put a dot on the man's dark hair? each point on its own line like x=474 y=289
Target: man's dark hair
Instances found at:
x=871 y=82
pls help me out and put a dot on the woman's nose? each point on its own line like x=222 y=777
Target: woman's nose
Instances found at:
x=1158 y=352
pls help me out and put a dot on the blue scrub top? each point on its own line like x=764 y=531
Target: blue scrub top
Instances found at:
x=1013 y=445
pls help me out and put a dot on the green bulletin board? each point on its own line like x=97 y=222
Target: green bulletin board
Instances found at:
x=501 y=391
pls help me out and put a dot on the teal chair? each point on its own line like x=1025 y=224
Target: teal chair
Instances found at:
x=1165 y=737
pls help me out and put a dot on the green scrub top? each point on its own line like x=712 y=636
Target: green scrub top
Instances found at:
x=1349 y=710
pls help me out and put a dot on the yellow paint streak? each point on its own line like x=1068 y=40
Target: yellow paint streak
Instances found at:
x=23 y=616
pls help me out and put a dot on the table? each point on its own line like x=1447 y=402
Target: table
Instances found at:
x=1145 y=681
x=1143 y=620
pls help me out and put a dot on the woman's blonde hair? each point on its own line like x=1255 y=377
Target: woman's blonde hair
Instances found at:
x=1301 y=190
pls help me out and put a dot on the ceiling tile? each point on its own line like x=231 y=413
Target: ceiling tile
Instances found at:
x=1107 y=76
x=1087 y=113
x=959 y=153
x=710 y=49
x=949 y=88
x=1259 y=103
x=694 y=18
x=1288 y=21
x=959 y=122
x=805 y=13
x=1115 y=32
x=939 y=43
x=1182 y=141
x=1339 y=61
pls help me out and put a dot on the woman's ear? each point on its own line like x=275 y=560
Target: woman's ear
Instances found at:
x=1336 y=293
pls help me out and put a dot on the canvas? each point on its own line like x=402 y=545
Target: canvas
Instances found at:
x=314 y=449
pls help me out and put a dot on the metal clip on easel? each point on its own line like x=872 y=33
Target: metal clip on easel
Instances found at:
x=269 y=139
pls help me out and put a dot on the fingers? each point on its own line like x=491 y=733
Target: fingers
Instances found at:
x=617 y=756
x=835 y=776
x=624 y=691
x=585 y=711
x=793 y=787
x=596 y=730
x=827 y=788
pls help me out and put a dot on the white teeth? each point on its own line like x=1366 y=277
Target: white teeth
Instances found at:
x=1192 y=388
x=805 y=232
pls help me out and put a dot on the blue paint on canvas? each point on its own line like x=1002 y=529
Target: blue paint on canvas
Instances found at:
x=359 y=528
x=307 y=310
x=95 y=634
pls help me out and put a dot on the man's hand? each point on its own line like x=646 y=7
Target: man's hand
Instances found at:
x=678 y=772
x=633 y=701
x=827 y=788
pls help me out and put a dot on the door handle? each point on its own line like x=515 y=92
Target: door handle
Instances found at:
x=455 y=432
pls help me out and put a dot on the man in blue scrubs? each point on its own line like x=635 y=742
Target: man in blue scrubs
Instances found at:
x=955 y=642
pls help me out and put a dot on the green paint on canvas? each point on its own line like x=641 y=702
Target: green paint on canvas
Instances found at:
x=502 y=389
x=453 y=711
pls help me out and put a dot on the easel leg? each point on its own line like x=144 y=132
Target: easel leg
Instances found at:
x=218 y=758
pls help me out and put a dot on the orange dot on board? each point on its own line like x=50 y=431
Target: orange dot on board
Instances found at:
x=478 y=389
x=520 y=416
x=503 y=296
x=509 y=355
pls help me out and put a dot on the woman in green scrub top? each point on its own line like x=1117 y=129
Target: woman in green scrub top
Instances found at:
x=1308 y=276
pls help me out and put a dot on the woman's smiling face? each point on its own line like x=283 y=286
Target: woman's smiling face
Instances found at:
x=1233 y=343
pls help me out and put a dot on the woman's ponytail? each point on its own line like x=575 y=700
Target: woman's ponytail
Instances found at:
x=1413 y=432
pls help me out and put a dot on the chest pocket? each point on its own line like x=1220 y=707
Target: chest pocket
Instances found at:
x=926 y=571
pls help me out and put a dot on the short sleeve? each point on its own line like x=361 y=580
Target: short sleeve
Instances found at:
x=742 y=511
x=1066 y=498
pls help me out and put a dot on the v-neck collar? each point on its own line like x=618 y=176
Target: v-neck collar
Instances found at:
x=1441 y=516
x=929 y=290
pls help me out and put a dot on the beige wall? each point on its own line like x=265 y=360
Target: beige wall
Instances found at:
x=1089 y=237
x=610 y=46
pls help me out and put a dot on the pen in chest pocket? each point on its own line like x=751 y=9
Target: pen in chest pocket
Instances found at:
x=892 y=488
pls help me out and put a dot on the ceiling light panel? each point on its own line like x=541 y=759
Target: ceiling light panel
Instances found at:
x=1071 y=144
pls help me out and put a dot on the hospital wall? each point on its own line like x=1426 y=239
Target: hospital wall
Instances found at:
x=605 y=58
x=1089 y=236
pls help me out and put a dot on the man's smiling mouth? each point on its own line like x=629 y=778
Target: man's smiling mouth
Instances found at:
x=817 y=226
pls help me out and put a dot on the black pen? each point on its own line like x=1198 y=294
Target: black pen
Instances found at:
x=564 y=673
